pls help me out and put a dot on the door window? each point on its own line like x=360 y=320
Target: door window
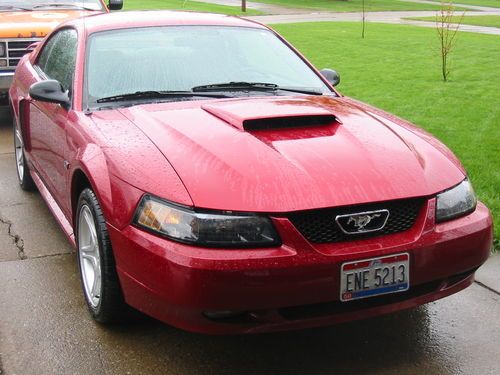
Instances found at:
x=58 y=57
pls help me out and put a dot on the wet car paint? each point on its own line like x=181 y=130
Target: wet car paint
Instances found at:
x=127 y=152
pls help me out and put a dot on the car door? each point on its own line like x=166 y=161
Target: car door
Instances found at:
x=48 y=121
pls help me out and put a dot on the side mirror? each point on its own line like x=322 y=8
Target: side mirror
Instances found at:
x=331 y=76
x=115 y=4
x=50 y=91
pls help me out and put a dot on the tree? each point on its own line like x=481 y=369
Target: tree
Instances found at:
x=243 y=5
x=363 y=18
x=447 y=25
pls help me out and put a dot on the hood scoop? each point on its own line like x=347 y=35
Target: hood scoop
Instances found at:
x=288 y=122
x=269 y=114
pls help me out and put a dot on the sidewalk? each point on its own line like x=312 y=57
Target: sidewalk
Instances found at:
x=489 y=274
x=384 y=17
x=276 y=14
x=465 y=6
x=265 y=8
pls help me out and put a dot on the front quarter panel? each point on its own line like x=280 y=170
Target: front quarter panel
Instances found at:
x=121 y=164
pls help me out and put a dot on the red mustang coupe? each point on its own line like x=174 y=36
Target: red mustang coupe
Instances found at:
x=211 y=177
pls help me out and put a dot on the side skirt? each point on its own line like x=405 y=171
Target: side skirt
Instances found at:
x=54 y=208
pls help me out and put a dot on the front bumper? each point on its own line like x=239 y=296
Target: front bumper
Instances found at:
x=297 y=284
x=5 y=81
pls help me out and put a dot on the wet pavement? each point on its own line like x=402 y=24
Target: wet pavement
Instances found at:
x=45 y=328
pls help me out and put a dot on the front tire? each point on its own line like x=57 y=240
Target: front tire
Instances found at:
x=22 y=168
x=98 y=276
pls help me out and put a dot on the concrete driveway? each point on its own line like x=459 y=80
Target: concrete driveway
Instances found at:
x=45 y=328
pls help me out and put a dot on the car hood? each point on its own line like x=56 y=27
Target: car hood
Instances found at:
x=34 y=24
x=346 y=155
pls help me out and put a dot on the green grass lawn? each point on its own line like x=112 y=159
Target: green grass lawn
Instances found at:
x=492 y=21
x=396 y=67
x=186 y=5
x=484 y=3
x=352 y=5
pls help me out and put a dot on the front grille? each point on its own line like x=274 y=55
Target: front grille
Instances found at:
x=15 y=50
x=319 y=226
x=20 y=44
x=13 y=62
x=16 y=53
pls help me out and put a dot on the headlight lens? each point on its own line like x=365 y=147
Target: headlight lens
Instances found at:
x=3 y=50
x=205 y=229
x=457 y=201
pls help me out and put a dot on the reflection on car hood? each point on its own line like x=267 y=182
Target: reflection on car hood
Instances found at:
x=358 y=158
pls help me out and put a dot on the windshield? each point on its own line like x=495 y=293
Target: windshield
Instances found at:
x=50 y=4
x=180 y=58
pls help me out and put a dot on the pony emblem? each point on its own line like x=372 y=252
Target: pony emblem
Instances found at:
x=363 y=222
x=360 y=222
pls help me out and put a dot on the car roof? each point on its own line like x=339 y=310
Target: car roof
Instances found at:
x=135 y=19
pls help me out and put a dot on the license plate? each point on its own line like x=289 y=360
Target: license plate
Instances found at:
x=374 y=277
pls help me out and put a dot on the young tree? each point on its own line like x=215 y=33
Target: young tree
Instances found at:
x=243 y=5
x=447 y=25
x=363 y=18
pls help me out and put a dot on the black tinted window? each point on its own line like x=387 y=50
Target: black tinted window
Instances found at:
x=57 y=59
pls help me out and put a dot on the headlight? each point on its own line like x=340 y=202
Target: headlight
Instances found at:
x=458 y=201
x=3 y=50
x=205 y=228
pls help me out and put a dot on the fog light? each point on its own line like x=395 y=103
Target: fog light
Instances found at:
x=3 y=63
x=215 y=315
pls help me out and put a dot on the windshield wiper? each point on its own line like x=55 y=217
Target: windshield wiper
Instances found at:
x=236 y=86
x=156 y=95
x=62 y=5
x=10 y=7
x=252 y=86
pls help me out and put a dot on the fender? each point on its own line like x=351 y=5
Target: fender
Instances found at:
x=118 y=199
x=91 y=161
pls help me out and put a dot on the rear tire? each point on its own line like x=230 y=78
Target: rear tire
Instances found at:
x=100 y=284
x=22 y=168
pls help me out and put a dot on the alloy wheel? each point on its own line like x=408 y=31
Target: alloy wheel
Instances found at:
x=19 y=155
x=89 y=257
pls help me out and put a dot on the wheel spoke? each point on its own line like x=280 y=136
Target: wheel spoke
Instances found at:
x=96 y=287
x=87 y=249
x=92 y=259
x=91 y=227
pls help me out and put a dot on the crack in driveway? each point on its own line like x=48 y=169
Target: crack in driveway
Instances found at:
x=51 y=256
x=18 y=241
x=487 y=287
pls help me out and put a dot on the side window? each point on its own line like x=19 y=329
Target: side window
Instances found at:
x=57 y=59
x=44 y=55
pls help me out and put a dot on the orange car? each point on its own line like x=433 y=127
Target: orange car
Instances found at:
x=24 y=22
